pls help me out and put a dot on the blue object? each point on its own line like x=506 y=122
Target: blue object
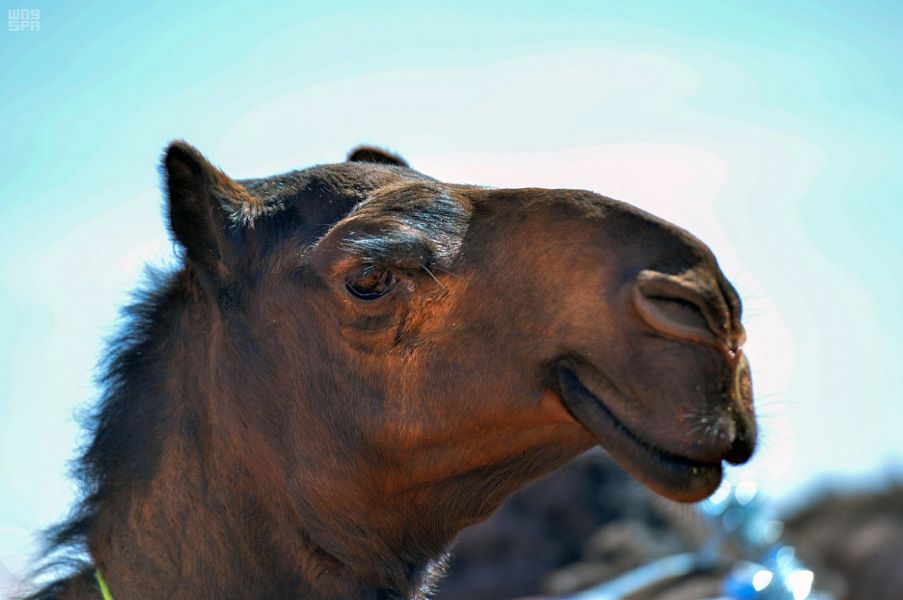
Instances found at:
x=736 y=514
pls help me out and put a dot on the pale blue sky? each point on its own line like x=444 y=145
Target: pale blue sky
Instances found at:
x=770 y=129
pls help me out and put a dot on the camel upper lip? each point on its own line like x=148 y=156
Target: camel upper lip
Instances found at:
x=676 y=477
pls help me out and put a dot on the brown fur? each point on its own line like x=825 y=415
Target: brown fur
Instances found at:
x=356 y=361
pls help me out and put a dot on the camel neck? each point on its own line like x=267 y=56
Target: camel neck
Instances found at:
x=213 y=515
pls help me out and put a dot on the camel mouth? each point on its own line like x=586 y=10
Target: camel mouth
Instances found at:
x=670 y=475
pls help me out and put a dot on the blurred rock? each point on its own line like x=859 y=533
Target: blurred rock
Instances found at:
x=590 y=522
x=854 y=541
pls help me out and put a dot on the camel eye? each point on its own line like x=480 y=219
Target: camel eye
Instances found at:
x=372 y=283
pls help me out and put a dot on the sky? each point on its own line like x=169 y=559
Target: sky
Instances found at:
x=772 y=130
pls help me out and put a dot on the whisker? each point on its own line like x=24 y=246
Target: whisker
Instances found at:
x=430 y=273
x=446 y=271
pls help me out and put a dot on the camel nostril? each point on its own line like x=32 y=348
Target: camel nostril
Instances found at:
x=675 y=315
x=685 y=307
x=679 y=308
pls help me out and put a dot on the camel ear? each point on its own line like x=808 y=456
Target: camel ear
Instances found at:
x=205 y=206
x=371 y=154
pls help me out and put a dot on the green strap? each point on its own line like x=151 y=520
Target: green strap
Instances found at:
x=104 y=590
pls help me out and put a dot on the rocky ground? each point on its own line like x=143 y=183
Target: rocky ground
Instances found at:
x=590 y=521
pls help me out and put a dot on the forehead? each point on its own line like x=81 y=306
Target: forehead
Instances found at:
x=380 y=212
x=325 y=194
x=303 y=205
x=324 y=182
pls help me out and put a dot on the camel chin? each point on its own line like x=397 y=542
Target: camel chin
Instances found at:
x=673 y=476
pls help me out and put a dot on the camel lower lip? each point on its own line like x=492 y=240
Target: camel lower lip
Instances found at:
x=672 y=476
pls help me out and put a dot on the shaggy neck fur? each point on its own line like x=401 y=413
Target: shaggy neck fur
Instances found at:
x=184 y=498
